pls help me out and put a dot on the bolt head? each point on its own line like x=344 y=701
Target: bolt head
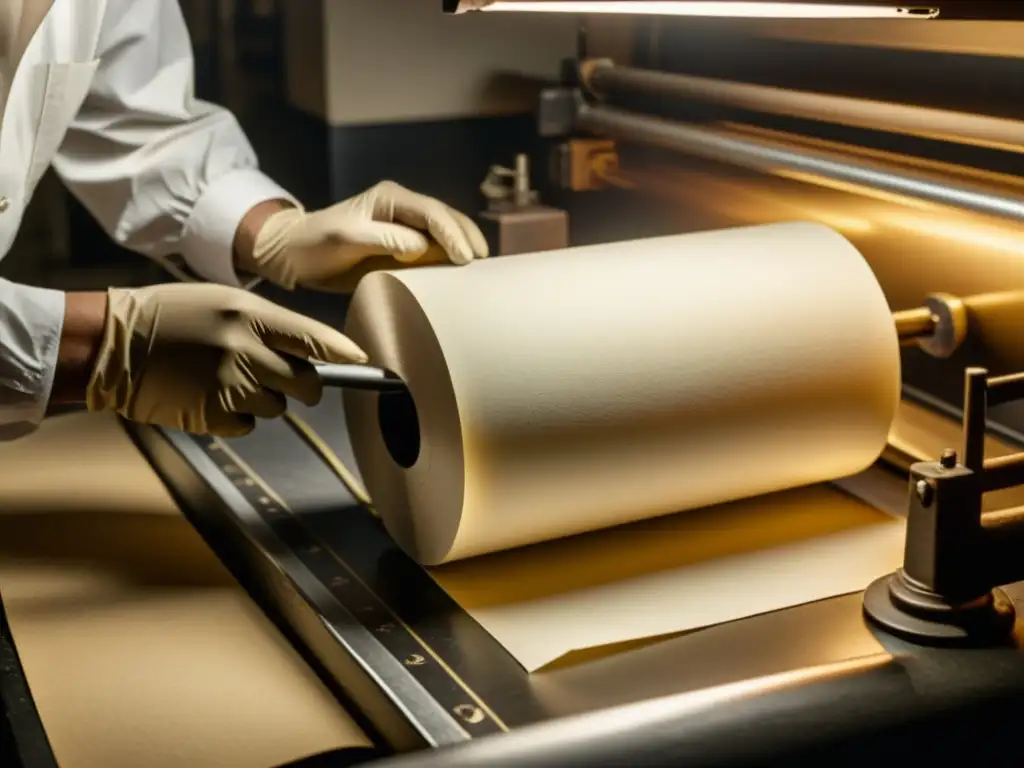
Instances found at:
x=948 y=459
x=924 y=492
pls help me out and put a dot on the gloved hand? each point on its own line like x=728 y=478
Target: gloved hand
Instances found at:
x=386 y=227
x=208 y=359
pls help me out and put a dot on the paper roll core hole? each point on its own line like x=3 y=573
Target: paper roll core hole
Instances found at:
x=399 y=427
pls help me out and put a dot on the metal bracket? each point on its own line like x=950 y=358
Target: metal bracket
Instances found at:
x=509 y=186
x=956 y=557
x=557 y=110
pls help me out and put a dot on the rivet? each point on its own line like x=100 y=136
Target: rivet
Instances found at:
x=924 y=492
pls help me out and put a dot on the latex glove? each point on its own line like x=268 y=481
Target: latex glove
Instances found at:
x=208 y=359
x=386 y=227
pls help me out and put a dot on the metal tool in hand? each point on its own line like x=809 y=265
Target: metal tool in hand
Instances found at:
x=366 y=377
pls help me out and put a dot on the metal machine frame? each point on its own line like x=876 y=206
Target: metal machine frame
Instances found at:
x=421 y=673
x=422 y=676
x=411 y=696
x=579 y=106
x=947 y=592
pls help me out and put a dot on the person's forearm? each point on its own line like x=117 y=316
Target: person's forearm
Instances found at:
x=250 y=226
x=80 y=338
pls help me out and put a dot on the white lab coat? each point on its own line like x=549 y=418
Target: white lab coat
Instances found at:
x=103 y=93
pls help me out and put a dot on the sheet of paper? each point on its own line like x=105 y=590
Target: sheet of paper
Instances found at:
x=138 y=646
x=570 y=600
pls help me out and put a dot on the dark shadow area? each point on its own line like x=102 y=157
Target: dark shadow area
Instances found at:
x=339 y=758
x=148 y=550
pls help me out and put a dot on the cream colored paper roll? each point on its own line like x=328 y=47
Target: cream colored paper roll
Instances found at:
x=568 y=391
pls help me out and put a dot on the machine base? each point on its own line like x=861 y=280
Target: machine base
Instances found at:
x=907 y=611
x=422 y=673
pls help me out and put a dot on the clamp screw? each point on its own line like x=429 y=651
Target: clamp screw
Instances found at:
x=924 y=492
x=949 y=459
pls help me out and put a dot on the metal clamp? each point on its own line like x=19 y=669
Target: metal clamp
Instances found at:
x=956 y=557
x=500 y=193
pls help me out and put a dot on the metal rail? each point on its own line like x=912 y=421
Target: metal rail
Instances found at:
x=604 y=77
x=805 y=164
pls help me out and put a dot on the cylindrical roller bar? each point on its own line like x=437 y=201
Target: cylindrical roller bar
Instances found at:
x=913 y=324
x=778 y=158
x=958 y=127
x=1004 y=472
x=1005 y=389
x=1004 y=519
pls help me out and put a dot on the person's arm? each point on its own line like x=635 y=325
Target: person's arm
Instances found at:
x=167 y=175
x=80 y=340
x=48 y=344
x=162 y=172
x=244 y=245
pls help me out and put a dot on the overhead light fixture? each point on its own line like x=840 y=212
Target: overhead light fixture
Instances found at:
x=808 y=9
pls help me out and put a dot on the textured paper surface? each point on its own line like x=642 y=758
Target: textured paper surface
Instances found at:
x=575 y=390
x=574 y=599
x=138 y=647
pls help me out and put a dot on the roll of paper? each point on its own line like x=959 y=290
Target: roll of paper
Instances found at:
x=557 y=393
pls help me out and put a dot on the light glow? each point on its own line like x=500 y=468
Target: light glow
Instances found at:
x=747 y=9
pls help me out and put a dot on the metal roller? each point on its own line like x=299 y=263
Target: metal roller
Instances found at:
x=789 y=160
x=602 y=77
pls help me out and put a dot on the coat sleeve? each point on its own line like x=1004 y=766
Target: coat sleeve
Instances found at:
x=31 y=320
x=164 y=173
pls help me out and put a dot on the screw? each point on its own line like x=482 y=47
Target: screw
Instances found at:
x=949 y=459
x=924 y=492
x=470 y=714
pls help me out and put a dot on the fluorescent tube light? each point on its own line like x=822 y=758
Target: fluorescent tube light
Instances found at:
x=747 y=8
